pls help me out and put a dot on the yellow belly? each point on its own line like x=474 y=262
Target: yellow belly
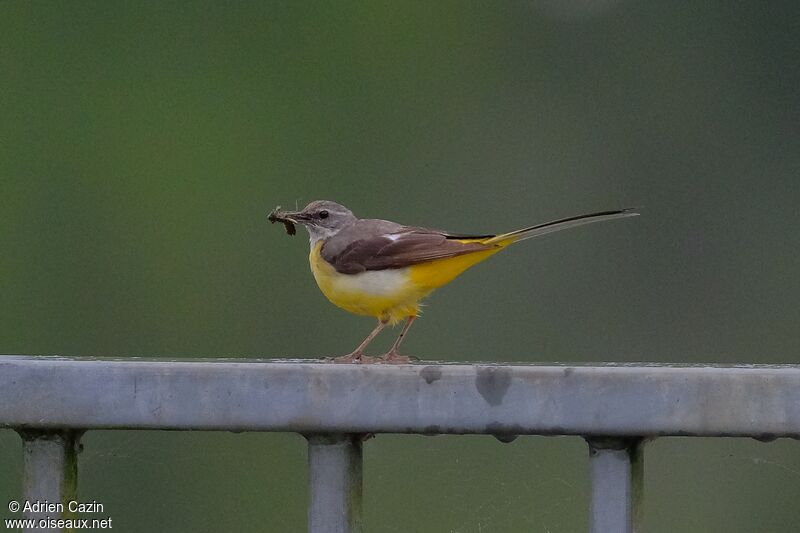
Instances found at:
x=391 y=294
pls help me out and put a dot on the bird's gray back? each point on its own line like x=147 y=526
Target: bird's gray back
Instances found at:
x=359 y=230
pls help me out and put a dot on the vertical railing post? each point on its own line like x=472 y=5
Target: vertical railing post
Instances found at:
x=617 y=484
x=49 y=472
x=335 y=471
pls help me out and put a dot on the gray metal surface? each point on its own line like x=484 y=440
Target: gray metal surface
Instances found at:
x=616 y=474
x=50 y=470
x=335 y=482
x=306 y=397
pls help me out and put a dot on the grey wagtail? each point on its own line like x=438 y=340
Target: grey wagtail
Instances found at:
x=383 y=269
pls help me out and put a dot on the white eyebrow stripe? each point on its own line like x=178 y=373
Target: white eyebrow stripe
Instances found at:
x=392 y=236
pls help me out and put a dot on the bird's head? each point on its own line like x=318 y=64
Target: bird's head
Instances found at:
x=322 y=218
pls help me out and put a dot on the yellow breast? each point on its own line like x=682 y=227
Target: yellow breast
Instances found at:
x=390 y=294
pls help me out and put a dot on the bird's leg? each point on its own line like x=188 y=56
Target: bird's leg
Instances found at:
x=393 y=355
x=357 y=355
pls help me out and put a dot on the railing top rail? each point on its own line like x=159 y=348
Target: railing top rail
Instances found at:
x=426 y=362
x=761 y=401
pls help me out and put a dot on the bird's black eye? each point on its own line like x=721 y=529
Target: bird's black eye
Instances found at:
x=323 y=214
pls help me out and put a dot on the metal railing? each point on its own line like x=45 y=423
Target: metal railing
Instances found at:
x=52 y=400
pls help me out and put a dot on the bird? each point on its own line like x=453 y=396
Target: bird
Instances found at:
x=384 y=269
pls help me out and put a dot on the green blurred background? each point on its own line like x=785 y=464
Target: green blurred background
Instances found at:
x=143 y=143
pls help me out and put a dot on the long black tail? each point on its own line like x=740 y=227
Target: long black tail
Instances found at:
x=558 y=225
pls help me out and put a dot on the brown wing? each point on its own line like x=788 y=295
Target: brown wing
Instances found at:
x=399 y=249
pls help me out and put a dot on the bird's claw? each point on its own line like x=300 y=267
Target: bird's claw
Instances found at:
x=355 y=359
x=394 y=358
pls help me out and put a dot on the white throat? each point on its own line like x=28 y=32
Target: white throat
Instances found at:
x=315 y=234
